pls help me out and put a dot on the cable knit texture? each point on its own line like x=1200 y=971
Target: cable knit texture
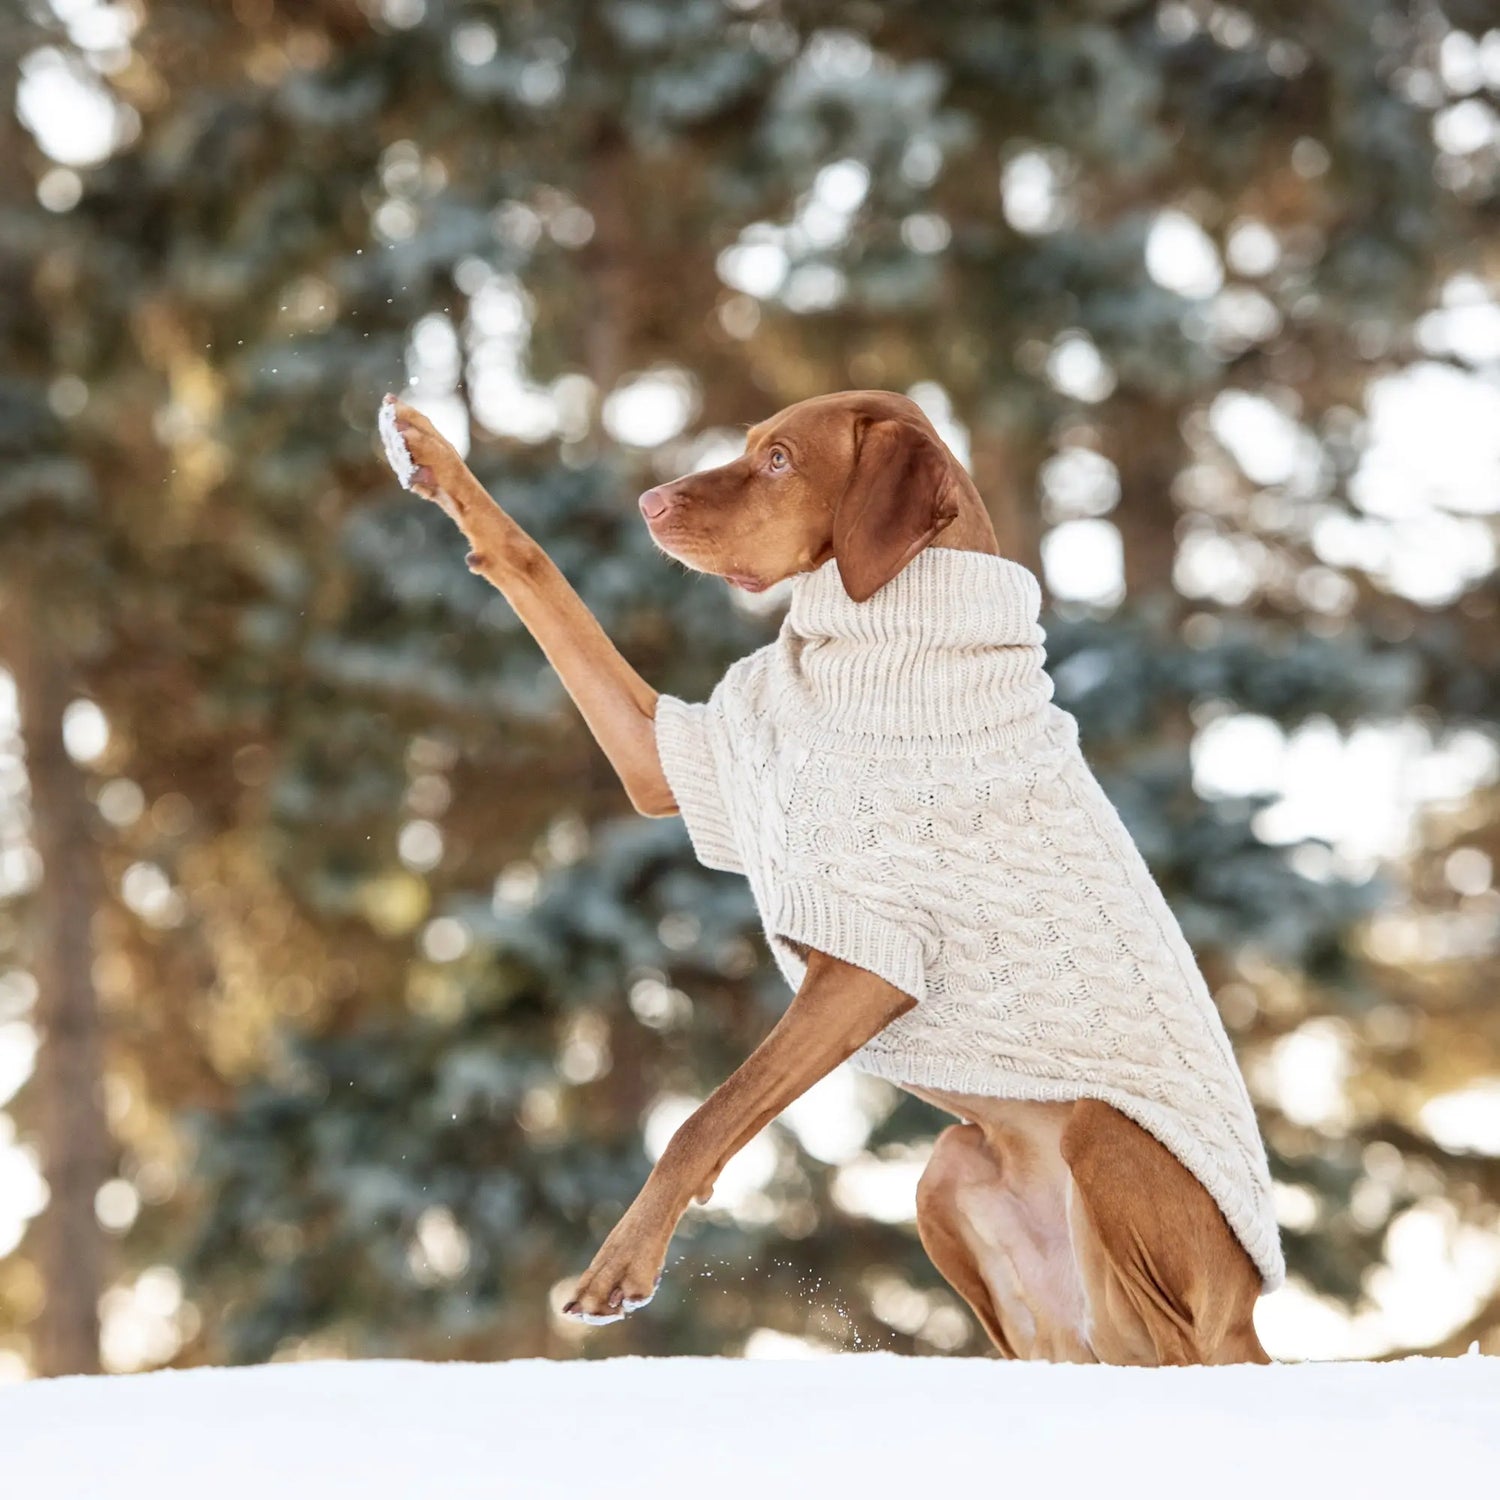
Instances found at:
x=901 y=792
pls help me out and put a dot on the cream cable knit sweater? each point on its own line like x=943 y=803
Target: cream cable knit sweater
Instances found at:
x=898 y=787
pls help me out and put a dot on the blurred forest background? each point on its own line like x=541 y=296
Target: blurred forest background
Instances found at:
x=343 y=999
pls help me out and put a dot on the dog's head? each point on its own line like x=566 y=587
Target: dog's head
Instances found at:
x=861 y=476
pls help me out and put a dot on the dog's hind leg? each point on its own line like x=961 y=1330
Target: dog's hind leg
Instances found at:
x=991 y=1212
x=942 y=1229
x=1167 y=1282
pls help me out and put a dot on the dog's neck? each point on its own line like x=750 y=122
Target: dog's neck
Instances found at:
x=950 y=648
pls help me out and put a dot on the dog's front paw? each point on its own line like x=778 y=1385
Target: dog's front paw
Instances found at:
x=423 y=459
x=624 y=1277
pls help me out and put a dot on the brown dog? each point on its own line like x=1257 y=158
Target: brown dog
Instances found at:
x=1071 y=1232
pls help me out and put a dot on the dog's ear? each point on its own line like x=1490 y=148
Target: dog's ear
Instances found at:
x=901 y=493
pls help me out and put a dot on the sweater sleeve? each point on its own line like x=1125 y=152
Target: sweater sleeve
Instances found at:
x=816 y=914
x=691 y=763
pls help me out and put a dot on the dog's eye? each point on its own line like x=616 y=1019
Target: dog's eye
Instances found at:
x=778 y=458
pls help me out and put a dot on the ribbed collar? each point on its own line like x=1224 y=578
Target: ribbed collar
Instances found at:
x=948 y=653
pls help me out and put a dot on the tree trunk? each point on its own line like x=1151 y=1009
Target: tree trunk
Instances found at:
x=66 y=1089
x=607 y=257
x=1148 y=453
x=997 y=469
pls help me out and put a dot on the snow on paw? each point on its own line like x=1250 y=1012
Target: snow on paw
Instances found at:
x=634 y=1304
x=598 y=1319
x=397 y=454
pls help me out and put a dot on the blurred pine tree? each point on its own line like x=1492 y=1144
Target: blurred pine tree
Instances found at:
x=380 y=927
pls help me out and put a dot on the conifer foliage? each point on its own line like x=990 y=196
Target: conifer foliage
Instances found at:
x=388 y=980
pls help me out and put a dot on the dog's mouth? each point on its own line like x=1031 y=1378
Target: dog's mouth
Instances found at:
x=670 y=542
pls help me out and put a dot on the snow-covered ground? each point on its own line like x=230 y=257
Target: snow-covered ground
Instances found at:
x=845 y=1428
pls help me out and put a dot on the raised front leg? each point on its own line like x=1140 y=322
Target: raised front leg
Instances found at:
x=618 y=705
x=837 y=1009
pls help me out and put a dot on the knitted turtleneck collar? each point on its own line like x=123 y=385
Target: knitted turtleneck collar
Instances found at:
x=948 y=653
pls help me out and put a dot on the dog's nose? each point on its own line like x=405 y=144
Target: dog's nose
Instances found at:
x=655 y=503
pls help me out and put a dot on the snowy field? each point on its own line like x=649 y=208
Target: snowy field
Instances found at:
x=848 y=1427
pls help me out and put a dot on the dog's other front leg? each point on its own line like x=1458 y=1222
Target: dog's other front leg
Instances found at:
x=837 y=1009
x=618 y=705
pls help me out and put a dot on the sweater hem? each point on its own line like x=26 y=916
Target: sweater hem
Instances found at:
x=1261 y=1238
x=844 y=928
